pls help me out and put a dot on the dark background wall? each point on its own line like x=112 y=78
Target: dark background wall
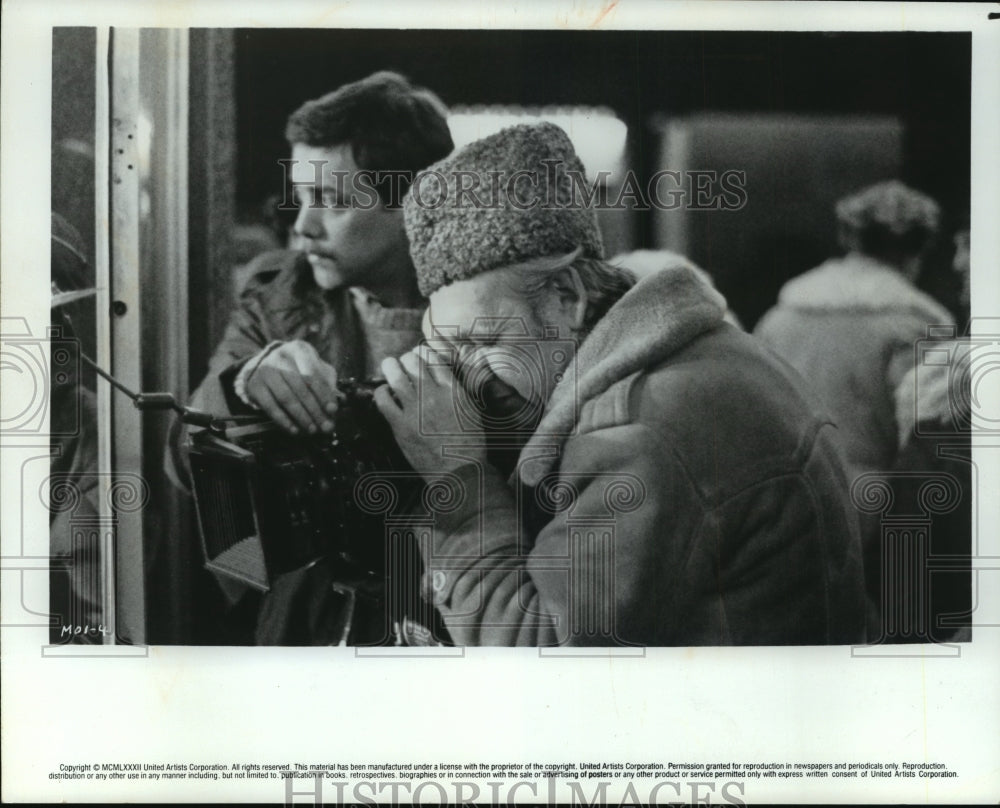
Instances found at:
x=73 y=95
x=920 y=78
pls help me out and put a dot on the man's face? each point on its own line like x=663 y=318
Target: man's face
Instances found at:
x=349 y=236
x=495 y=327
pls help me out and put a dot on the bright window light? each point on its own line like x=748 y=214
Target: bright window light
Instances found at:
x=598 y=135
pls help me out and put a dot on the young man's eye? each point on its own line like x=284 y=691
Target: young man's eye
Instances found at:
x=334 y=202
x=306 y=198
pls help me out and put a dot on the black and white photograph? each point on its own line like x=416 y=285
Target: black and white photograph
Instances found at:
x=590 y=403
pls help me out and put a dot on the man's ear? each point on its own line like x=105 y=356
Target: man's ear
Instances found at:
x=571 y=294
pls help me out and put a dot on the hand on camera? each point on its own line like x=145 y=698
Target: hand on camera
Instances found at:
x=295 y=388
x=432 y=417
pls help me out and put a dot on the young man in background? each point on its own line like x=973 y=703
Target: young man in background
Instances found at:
x=335 y=307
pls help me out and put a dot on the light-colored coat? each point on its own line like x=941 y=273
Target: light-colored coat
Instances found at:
x=850 y=328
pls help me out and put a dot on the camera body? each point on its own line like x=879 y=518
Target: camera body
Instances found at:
x=269 y=502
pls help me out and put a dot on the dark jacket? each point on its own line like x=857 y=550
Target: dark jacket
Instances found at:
x=932 y=486
x=682 y=489
x=282 y=302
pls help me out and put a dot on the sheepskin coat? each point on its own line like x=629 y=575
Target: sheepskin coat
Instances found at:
x=681 y=489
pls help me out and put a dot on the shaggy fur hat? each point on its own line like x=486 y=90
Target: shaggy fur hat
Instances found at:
x=507 y=199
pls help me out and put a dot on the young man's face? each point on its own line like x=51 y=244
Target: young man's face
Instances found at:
x=350 y=238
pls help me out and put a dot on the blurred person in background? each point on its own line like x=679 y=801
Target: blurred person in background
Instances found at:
x=850 y=328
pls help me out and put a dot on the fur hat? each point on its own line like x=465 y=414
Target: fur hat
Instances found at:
x=510 y=198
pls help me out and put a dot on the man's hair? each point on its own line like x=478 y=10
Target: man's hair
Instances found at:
x=389 y=124
x=605 y=284
x=888 y=221
x=884 y=244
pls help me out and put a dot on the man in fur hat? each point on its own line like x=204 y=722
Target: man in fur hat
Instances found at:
x=672 y=484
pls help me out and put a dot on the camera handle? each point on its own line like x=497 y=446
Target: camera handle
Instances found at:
x=166 y=401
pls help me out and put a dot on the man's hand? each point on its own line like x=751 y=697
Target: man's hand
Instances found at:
x=295 y=388
x=422 y=402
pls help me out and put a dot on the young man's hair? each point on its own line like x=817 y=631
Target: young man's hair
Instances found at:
x=390 y=125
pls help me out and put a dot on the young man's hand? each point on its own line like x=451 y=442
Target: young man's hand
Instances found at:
x=422 y=402
x=295 y=388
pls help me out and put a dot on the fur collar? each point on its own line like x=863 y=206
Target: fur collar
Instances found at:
x=859 y=283
x=657 y=317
